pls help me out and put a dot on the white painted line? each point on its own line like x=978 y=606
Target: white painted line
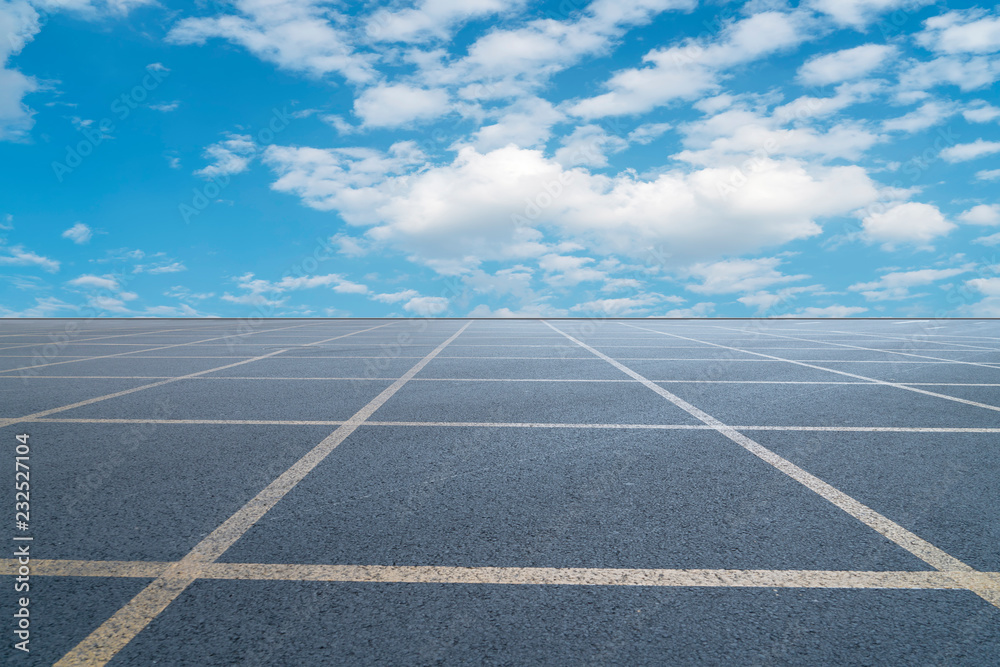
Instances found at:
x=916 y=545
x=116 y=632
x=985 y=406
x=120 y=354
x=529 y=425
x=89 y=401
x=433 y=379
x=854 y=347
x=508 y=576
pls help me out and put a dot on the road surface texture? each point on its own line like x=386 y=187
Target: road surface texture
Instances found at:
x=304 y=492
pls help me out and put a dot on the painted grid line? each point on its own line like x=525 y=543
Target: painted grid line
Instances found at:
x=534 y=576
x=930 y=554
x=116 y=632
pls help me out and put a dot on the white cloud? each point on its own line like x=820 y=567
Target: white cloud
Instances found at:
x=426 y=306
x=527 y=123
x=620 y=307
x=845 y=65
x=569 y=271
x=987 y=286
x=476 y=208
x=991 y=240
x=173 y=267
x=19 y=23
x=988 y=175
x=968 y=73
x=691 y=70
x=18 y=256
x=976 y=149
x=432 y=19
x=896 y=285
x=767 y=302
x=828 y=311
x=961 y=32
x=108 y=303
x=619 y=284
x=93 y=9
x=911 y=222
x=513 y=62
x=983 y=214
x=78 y=233
x=7 y=223
x=981 y=112
x=928 y=115
x=44 y=307
x=698 y=310
x=107 y=282
x=165 y=107
x=858 y=13
x=183 y=310
x=648 y=132
x=293 y=34
x=184 y=294
x=257 y=290
x=230 y=156
x=739 y=275
x=588 y=145
x=395 y=297
x=393 y=105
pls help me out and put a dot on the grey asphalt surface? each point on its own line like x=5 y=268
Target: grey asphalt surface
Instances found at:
x=599 y=480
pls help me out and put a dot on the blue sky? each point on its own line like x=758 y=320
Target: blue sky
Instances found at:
x=499 y=158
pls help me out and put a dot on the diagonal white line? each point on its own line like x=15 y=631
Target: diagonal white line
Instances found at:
x=151 y=349
x=797 y=362
x=916 y=545
x=853 y=347
x=116 y=632
x=97 y=399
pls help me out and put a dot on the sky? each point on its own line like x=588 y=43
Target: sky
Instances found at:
x=499 y=158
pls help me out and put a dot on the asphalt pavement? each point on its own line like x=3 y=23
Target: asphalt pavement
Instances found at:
x=509 y=492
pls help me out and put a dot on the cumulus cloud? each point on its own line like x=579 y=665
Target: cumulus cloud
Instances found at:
x=858 y=13
x=971 y=151
x=907 y=223
x=78 y=233
x=969 y=31
x=19 y=23
x=526 y=123
x=828 y=311
x=983 y=214
x=229 y=156
x=18 y=256
x=426 y=306
x=432 y=19
x=393 y=105
x=108 y=282
x=690 y=70
x=845 y=65
x=297 y=35
x=896 y=285
x=513 y=62
x=739 y=275
x=486 y=205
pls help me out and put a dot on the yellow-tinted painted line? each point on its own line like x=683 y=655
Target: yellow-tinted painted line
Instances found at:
x=96 y=399
x=919 y=547
x=799 y=362
x=535 y=425
x=116 y=632
x=538 y=576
